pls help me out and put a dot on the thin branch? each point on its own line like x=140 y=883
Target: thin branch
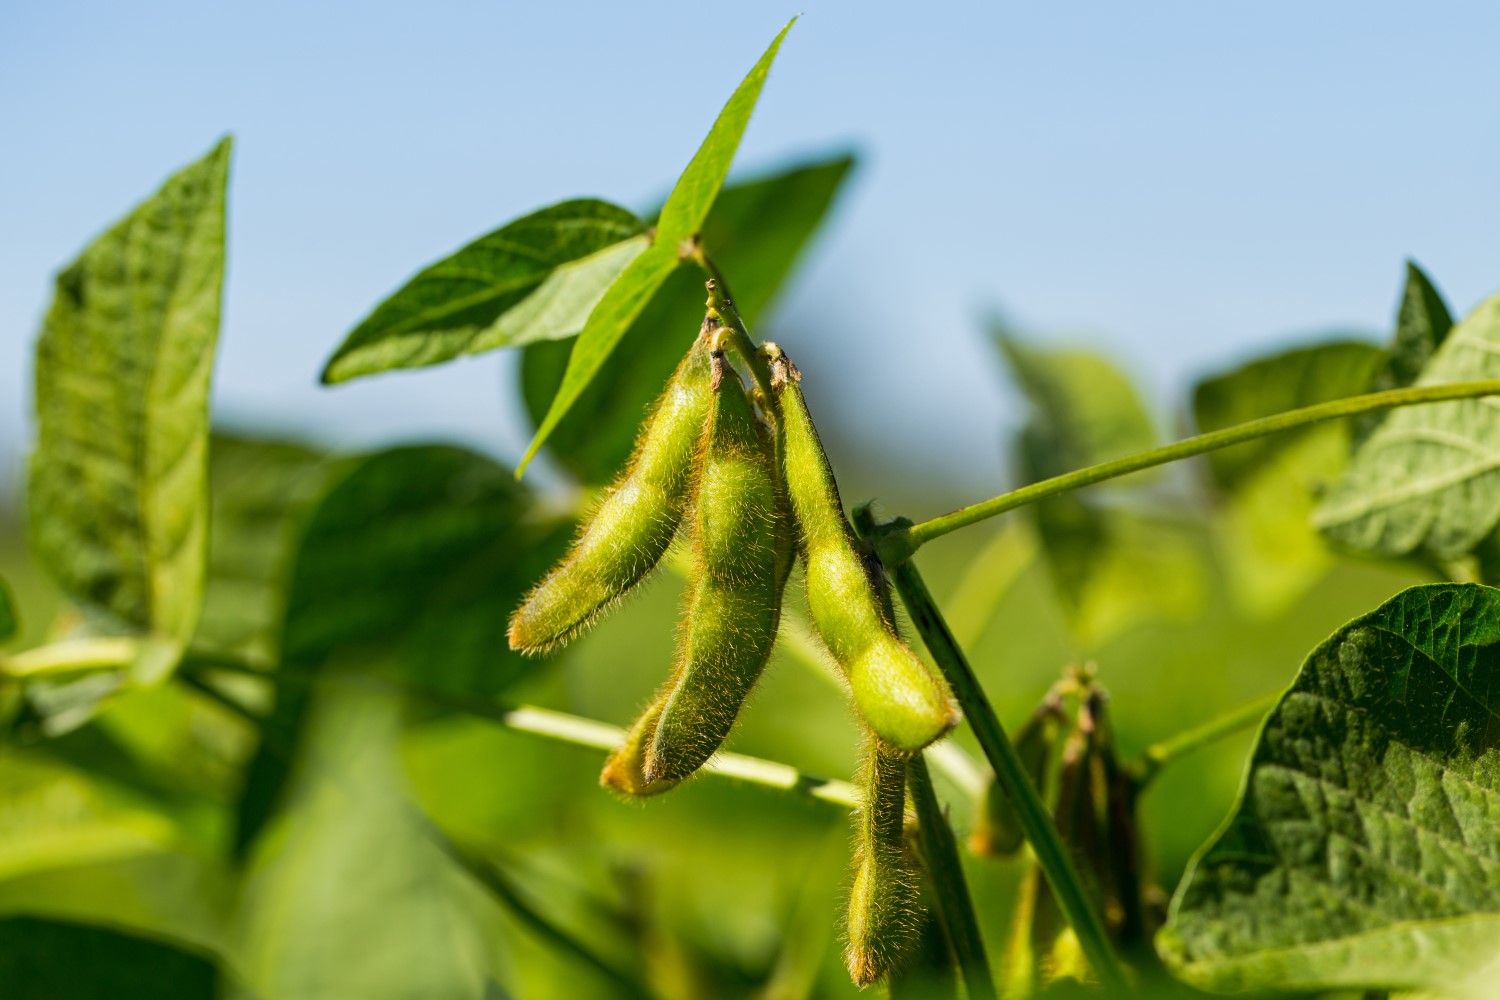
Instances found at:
x=1159 y=755
x=72 y=656
x=1052 y=857
x=897 y=543
x=950 y=891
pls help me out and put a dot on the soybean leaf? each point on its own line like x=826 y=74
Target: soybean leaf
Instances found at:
x=1422 y=324
x=1112 y=567
x=348 y=895
x=56 y=960
x=411 y=562
x=756 y=231
x=9 y=622
x=1428 y=478
x=1268 y=488
x=119 y=478
x=535 y=278
x=1363 y=850
x=681 y=217
x=261 y=493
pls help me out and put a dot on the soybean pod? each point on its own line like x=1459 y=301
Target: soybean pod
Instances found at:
x=885 y=908
x=634 y=522
x=902 y=699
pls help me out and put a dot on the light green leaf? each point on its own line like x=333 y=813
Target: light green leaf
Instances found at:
x=681 y=217
x=9 y=622
x=348 y=895
x=1363 y=851
x=756 y=231
x=535 y=278
x=55 y=960
x=262 y=492
x=1268 y=488
x=1113 y=568
x=119 y=478
x=1428 y=478
x=1422 y=324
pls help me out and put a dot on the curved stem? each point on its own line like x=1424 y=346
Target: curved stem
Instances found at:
x=949 y=889
x=1159 y=755
x=721 y=301
x=71 y=656
x=1052 y=857
x=898 y=543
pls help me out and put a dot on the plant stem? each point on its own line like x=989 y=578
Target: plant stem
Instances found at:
x=899 y=543
x=579 y=731
x=70 y=656
x=1051 y=856
x=722 y=302
x=949 y=889
x=1159 y=755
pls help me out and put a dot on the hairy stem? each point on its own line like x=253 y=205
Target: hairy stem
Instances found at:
x=949 y=889
x=1159 y=755
x=721 y=301
x=1053 y=859
x=899 y=543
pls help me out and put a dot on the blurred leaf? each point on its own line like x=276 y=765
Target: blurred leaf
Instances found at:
x=535 y=278
x=261 y=492
x=1113 y=569
x=348 y=895
x=756 y=232
x=1422 y=324
x=1269 y=487
x=410 y=564
x=9 y=622
x=53 y=960
x=119 y=478
x=1363 y=852
x=681 y=217
x=1428 y=478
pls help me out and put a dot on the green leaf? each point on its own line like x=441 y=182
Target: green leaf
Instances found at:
x=10 y=623
x=756 y=231
x=681 y=217
x=1363 y=851
x=54 y=960
x=1428 y=478
x=1113 y=568
x=535 y=278
x=119 y=478
x=410 y=564
x=1268 y=488
x=1422 y=324
x=348 y=895
x=262 y=492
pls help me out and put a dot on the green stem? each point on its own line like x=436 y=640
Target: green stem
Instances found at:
x=578 y=731
x=1010 y=773
x=1159 y=755
x=899 y=543
x=721 y=301
x=71 y=656
x=949 y=889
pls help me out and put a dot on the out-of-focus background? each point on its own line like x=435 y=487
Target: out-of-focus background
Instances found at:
x=1176 y=187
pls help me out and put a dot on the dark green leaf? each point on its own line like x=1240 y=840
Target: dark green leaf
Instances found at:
x=349 y=895
x=1363 y=851
x=1422 y=324
x=1428 y=478
x=54 y=960
x=9 y=623
x=533 y=279
x=756 y=231
x=681 y=217
x=1268 y=488
x=119 y=478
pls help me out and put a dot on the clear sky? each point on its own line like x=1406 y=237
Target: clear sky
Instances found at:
x=1181 y=183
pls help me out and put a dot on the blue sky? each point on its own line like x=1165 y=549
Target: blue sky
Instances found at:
x=1179 y=183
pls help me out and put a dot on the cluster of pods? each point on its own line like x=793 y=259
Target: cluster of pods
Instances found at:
x=746 y=476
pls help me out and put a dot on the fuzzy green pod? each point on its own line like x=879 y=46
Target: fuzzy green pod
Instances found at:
x=632 y=526
x=997 y=828
x=625 y=770
x=885 y=907
x=902 y=699
x=743 y=553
